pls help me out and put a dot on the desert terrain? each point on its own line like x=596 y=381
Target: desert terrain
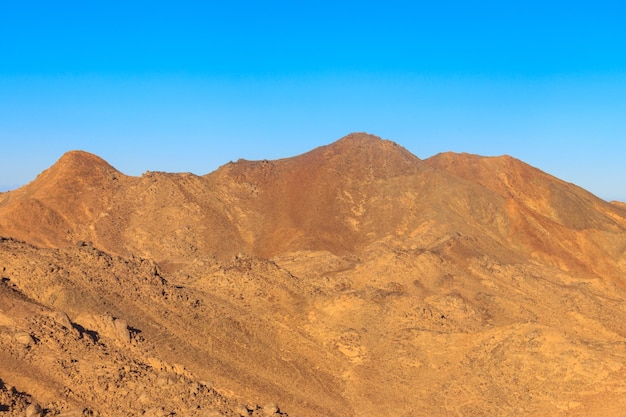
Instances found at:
x=353 y=280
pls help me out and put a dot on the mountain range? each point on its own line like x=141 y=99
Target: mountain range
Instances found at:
x=353 y=280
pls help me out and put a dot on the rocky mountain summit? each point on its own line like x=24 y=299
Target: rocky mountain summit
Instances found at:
x=353 y=280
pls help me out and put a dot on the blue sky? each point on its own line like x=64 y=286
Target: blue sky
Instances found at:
x=189 y=86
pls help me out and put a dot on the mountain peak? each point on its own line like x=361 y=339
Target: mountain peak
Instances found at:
x=489 y=171
x=82 y=161
x=73 y=171
x=367 y=153
x=77 y=166
x=360 y=137
x=358 y=156
x=362 y=140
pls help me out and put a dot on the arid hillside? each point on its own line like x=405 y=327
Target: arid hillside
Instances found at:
x=353 y=280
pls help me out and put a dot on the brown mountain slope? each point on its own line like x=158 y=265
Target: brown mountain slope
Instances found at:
x=561 y=202
x=353 y=280
x=619 y=204
x=63 y=198
x=339 y=198
x=336 y=198
x=551 y=219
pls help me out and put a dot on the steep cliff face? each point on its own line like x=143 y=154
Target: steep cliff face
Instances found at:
x=352 y=280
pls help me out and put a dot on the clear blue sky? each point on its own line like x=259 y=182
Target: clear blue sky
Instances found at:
x=188 y=86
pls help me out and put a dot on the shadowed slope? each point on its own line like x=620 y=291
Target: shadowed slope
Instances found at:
x=561 y=202
x=555 y=220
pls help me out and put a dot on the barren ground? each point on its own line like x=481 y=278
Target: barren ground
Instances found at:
x=353 y=280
